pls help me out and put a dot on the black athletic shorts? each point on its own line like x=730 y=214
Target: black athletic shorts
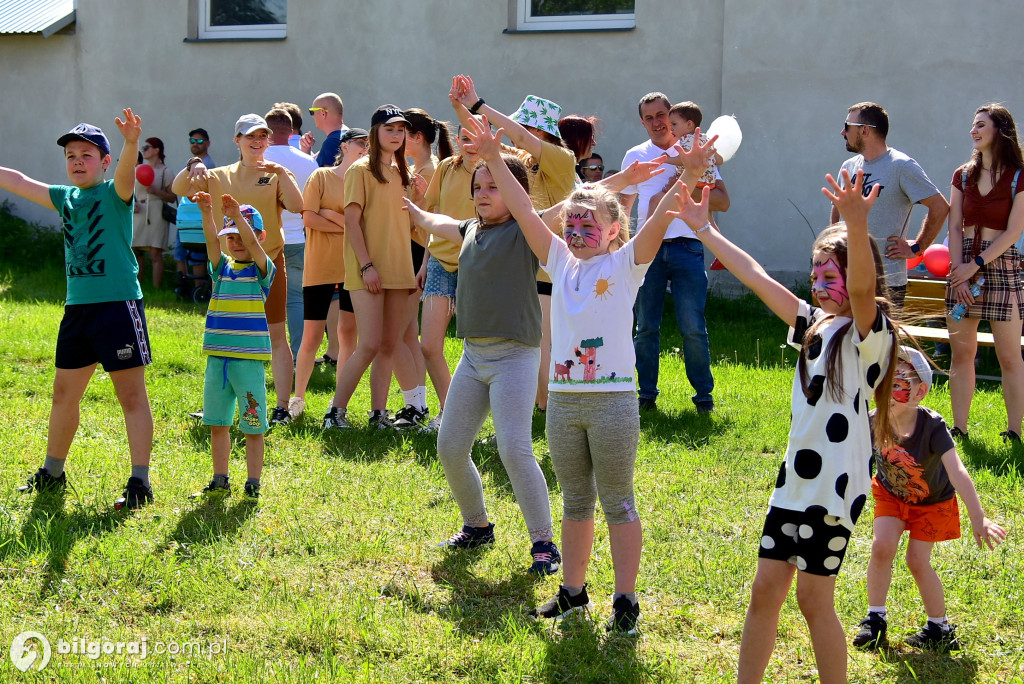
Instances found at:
x=316 y=300
x=110 y=333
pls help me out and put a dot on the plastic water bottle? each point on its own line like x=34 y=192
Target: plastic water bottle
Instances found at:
x=959 y=309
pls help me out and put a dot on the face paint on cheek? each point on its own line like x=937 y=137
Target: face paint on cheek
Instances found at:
x=578 y=235
x=824 y=289
x=901 y=390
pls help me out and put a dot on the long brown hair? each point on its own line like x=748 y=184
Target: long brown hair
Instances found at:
x=376 y=166
x=431 y=129
x=1006 y=151
x=833 y=241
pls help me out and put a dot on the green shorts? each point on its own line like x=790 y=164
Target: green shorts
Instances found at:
x=235 y=381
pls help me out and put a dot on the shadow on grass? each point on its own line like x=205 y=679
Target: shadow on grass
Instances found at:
x=209 y=521
x=929 y=666
x=608 y=657
x=683 y=427
x=1006 y=459
x=56 y=531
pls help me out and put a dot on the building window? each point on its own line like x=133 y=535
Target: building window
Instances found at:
x=248 y=19
x=571 y=15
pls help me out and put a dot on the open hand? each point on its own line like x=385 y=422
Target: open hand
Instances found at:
x=695 y=214
x=229 y=204
x=270 y=167
x=203 y=200
x=639 y=171
x=849 y=198
x=131 y=127
x=988 y=533
x=484 y=143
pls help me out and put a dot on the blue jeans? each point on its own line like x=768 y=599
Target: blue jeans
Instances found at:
x=682 y=264
x=294 y=261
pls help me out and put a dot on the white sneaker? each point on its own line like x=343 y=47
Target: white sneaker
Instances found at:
x=296 y=405
x=433 y=425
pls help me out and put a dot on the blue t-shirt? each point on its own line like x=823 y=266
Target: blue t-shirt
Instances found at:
x=329 y=150
x=98 y=256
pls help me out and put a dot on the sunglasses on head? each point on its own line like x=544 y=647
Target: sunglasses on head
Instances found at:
x=197 y=141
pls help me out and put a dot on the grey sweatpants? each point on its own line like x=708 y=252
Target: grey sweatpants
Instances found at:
x=593 y=438
x=500 y=376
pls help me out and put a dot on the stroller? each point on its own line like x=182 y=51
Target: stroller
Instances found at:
x=190 y=234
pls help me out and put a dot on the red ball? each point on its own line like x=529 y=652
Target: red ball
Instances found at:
x=145 y=174
x=914 y=261
x=936 y=260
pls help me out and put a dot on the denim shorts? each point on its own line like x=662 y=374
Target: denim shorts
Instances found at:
x=439 y=281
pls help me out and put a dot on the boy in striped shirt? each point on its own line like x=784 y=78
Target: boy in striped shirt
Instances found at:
x=237 y=338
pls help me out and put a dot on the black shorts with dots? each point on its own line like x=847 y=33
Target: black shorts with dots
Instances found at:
x=812 y=540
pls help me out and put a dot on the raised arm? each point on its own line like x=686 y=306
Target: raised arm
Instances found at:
x=436 y=224
x=487 y=145
x=853 y=207
x=245 y=232
x=465 y=93
x=23 y=186
x=124 y=172
x=210 y=227
x=774 y=294
x=984 y=530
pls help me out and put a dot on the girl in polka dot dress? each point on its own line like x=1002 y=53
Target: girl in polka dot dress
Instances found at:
x=845 y=345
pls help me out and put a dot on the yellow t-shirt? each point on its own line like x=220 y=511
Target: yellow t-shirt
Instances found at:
x=449 y=193
x=427 y=170
x=261 y=189
x=385 y=227
x=325 y=252
x=551 y=180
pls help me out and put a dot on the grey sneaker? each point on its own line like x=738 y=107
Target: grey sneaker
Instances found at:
x=434 y=425
x=337 y=419
x=935 y=638
x=872 y=632
x=381 y=419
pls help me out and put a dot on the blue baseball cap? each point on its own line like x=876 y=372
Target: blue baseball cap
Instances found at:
x=250 y=214
x=88 y=133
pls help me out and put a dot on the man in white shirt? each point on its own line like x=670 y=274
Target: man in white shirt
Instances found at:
x=302 y=166
x=680 y=261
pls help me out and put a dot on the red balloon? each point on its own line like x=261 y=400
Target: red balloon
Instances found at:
x=913 y=262
x=936 y=260
x=145 y=174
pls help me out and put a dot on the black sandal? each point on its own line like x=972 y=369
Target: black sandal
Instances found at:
x=957 y=432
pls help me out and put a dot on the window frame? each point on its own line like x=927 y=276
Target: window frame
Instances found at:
x=520 y=20
x=241 y=32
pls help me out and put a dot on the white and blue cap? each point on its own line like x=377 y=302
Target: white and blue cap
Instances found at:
x=919 y=361
x=88 y=133
x=251 y=215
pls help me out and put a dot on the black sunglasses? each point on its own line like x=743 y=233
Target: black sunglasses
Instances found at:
x=197 y=141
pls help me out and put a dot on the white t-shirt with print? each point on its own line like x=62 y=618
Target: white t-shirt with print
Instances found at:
x=827 y=461
x=592 y=320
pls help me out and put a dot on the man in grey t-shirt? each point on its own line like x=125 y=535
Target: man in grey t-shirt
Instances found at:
x=903 y=184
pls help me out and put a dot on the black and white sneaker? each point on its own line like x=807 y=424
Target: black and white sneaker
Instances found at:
x=252 y=491
x=135 y=495
x=410 y=417
x=935 y=637
x=563 y=605
x=546 y=558
x=625 y=615
x=872 y=632
x=380 y=419
x=337 y=419
x=42 y=481
x=280 y=416
x=470 y=537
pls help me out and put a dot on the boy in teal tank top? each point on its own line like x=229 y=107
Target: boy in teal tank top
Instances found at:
x=237 y=338
x=104 y=321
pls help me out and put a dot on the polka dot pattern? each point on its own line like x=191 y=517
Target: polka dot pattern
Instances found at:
x=841 y=483
x=837 y=428
x=814 y=348
x=807 y=463
x=814 y=390
x=857 y=507
x=874 y=371
x=856 y=402
x=780 y=479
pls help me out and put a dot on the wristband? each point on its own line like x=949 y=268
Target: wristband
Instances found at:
x=915 y=248
x=476 y=106
x=707 y=226
x=364 y=269
x=978 y=260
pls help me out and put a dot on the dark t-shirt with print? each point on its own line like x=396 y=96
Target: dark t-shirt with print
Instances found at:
x=912 y=470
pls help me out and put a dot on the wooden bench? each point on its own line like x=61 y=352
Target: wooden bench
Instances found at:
x=926 y=299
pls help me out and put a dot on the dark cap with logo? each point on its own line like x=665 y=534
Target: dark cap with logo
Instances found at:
x=386 y=114
x=88 y=133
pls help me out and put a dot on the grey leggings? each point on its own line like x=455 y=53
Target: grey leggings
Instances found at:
x=593 y=438
x=499 y=375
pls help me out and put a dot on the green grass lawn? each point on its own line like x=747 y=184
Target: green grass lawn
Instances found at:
x=335 y=573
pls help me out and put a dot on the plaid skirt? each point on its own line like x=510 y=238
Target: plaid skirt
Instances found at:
x=1002 y=289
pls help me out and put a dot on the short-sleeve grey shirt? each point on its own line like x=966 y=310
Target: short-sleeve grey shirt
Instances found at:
x=496 y=295
x=904 y=184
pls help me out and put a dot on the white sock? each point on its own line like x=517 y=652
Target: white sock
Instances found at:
x=421 y=397
x=878 y=609
x=941 y=622
x=410 y=397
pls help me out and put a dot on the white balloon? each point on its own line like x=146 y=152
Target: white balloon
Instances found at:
x=729 y=135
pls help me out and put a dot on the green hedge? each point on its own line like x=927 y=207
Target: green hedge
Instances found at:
x=25 y=244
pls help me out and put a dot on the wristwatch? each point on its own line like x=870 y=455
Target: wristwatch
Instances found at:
x=978 y=260
x=915 y=248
